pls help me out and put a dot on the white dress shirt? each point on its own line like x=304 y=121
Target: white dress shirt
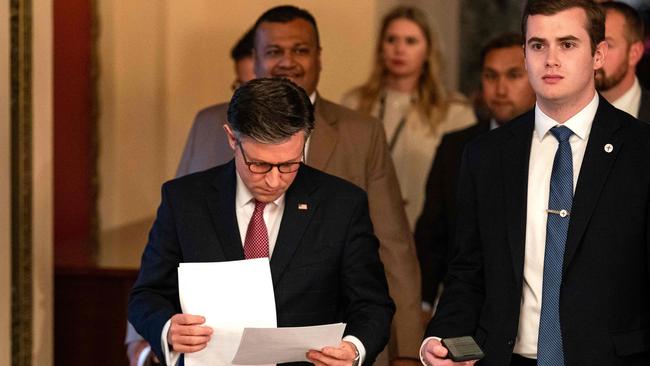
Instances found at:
x=244 y=208
x=542 y=153
x=630 y=101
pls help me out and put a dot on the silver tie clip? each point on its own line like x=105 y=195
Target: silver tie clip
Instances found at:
x=562 y=213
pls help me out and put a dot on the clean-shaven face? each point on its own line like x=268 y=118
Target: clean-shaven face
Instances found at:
x=266 y=187
x=404 y=48
x=558 y=58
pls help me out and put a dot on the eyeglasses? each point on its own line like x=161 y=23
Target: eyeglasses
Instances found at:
x=261 y=167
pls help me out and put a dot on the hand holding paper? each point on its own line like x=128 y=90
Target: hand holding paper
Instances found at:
x=288 y=344
x=231 y=296
x=345 y=352
x=186 y=334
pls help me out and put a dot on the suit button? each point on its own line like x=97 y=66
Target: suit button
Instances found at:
x=510 y=342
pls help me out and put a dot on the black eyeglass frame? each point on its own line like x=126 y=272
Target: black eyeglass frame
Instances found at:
x=262 y=167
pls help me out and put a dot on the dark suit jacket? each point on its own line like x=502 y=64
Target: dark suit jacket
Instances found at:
x=644 y=108
x=352 y=146
x=605 y=294
x=435 y=227
x=325 y=265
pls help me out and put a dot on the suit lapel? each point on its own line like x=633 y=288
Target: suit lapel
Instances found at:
x=323 y=138
x=299 y=207
x=595 y=168
x=221 y=202
x=515 y=155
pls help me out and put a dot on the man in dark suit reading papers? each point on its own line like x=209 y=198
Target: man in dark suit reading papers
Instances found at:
x=314 y=228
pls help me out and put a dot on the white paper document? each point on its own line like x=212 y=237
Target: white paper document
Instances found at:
x=231 y=296
x=276 y=345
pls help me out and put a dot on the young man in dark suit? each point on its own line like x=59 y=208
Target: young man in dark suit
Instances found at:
x=506 y=93
x=314 y=228
x=550 y=263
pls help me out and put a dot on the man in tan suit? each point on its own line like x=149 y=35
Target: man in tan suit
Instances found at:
x=344 y=143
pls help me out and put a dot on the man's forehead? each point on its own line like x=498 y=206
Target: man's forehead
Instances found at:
x=570 y=22
x=295 y=31
x=282 y=151
x=504 y=58
x=615 y=22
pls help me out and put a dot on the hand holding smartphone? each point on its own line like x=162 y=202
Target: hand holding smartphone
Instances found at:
x=462 y=349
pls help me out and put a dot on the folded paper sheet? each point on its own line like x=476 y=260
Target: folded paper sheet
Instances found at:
x=231 y=296
x=275 y=345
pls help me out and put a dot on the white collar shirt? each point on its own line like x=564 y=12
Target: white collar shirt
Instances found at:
x=630 y=101
x=542 y=153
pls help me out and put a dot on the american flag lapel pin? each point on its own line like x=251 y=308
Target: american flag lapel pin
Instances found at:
x=302 y=206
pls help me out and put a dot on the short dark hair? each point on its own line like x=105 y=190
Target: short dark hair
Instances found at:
x=634 y=28
x=595 y=24
x=502 y=40
x=244 y=47
x=270 y=110
x=285 y=14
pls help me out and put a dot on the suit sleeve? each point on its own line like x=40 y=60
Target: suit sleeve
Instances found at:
x=154 y=297
x=397 y=248
x=431 y=236
x=461 y=301
x=370 y=308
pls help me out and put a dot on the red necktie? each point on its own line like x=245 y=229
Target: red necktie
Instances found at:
x=256 y=244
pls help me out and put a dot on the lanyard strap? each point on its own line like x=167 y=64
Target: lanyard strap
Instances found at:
x=400 y=124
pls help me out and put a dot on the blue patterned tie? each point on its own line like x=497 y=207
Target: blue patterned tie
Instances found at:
x=549 y=344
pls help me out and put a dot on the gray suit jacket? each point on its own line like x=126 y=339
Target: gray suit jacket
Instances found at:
x=351 y=146
x=207 y=144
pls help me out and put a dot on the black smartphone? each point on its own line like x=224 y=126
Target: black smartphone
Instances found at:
x=462 y=349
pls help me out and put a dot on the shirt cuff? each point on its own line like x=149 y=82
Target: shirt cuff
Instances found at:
x=360 y=348
x=424 y=342
x=142 y=359
x=171 y=357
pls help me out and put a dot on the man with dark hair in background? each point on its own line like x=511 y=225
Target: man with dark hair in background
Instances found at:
x=242 y=55
x=314 y=228
x=550 y=261
x=617 y=80
x=506 y=92
x=346 y=144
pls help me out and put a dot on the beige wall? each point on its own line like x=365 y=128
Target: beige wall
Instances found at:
x=42 y=165
x=132 y=109
x=157 y=71
x=5 y=201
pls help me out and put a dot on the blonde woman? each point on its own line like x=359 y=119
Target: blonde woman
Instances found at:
x=405 y=91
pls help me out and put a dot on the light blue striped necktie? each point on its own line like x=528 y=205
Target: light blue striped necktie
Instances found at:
x=549 y=344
